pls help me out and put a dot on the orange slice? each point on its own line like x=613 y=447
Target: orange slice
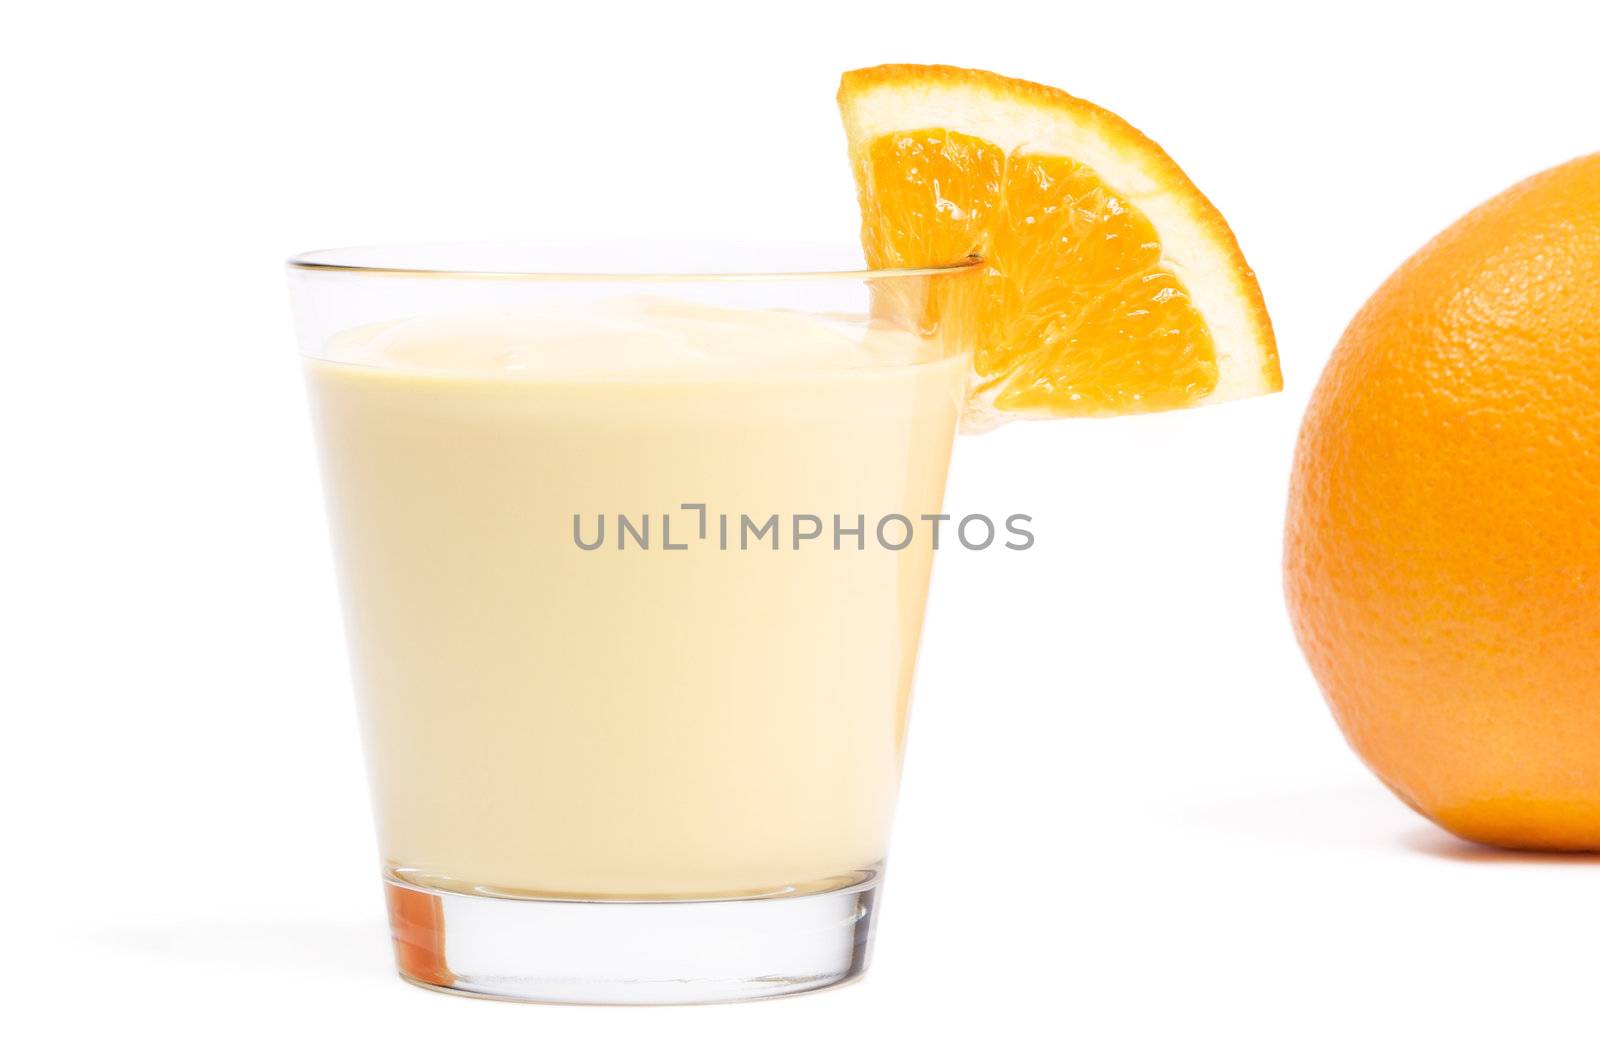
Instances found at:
x=1112 y=285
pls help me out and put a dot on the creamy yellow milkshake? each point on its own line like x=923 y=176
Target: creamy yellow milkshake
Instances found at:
x=706 y=700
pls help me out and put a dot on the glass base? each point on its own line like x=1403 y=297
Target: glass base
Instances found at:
x=631 y=952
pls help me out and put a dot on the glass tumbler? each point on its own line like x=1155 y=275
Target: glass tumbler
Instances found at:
x=633 y=560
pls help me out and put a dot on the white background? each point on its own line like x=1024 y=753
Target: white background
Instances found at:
x=1128 y=823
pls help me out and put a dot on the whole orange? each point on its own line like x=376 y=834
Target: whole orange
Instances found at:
x=1442 y=551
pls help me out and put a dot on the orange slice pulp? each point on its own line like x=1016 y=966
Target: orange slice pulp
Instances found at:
x=1111 y=284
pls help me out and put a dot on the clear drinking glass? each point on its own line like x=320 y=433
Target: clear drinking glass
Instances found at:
x=633 y=569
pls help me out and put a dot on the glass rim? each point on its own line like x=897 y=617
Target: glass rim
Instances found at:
x=346 y=260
